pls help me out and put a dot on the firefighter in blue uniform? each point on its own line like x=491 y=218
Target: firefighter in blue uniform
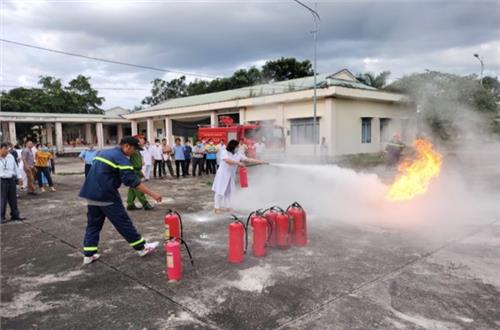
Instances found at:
x=111 y=168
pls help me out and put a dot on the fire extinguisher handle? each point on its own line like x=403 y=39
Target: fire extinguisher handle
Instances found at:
x=188 y=251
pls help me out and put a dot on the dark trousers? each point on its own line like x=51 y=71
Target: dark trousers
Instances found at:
x=211 y=166
x=158 y=165
x=168 y=163
x=46 y=171
x=181 y=164
x=87 y=169
x=186 y=166
x=119 y=218
x=204 y=164
x=197 y=163
x=52 y=166
x=9 y=195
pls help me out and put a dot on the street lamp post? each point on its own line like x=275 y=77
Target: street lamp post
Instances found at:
x=317 y=20
x=482 y=66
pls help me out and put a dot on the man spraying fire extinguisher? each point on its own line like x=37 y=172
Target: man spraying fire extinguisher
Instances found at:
x=224 y=185
x=111 y=168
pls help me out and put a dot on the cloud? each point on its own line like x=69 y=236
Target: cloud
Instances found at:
x=218 y=37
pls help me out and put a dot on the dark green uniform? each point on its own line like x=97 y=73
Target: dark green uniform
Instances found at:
x=136 y=161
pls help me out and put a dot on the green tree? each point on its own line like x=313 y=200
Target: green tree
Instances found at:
x=286 y=69
x=165 y=90
x=370 y=79
x=53 y=97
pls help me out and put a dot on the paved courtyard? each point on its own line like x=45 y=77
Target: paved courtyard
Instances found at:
x=350 y=276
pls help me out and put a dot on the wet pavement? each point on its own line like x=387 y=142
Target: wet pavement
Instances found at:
x=348 y=277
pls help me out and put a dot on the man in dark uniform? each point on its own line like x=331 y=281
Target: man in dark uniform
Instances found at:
x=393 y=151
x=109 y=170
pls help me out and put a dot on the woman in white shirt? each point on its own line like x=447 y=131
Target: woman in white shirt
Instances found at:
x=224 y=185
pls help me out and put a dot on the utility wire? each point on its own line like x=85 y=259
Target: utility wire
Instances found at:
x=105 y=60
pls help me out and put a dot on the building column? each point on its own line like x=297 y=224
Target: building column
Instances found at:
x=12 y=132
x=149 y=129
x=133 y=127
x=213 y=119
x=327 y=126
x=168 y=130
x=119 y=132
x=59 y=137
x=48 y=129
x=88 y=134
x=100 y=135
x=243 y=115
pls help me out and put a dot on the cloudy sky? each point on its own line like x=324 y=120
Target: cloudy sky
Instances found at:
x=216 y=38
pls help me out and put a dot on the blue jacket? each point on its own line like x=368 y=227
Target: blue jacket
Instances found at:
x=109 y=170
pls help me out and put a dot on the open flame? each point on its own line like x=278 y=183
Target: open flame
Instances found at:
x=416 y=175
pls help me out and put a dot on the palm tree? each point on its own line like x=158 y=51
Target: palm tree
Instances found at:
x=370 y=79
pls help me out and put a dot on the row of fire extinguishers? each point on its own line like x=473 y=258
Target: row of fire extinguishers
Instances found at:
x=272 y=227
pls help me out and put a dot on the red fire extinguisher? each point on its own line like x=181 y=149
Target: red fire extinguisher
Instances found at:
x=174 y=259
x=238 y=240
x=270 y=214
x=243 y=177
x=173 y=225
x=262 y=231
x=299 y=229
x=284 y=225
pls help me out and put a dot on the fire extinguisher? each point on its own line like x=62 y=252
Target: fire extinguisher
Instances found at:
x=284 y=225
x=243 y=177
x=262 y=231
x=174 y=259
x=270 y=214
x=238 y=241
x=299 y=229
x=173 y=225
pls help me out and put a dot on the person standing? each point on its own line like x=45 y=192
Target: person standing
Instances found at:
x=147 y=158
x=211 y=152
x=198 y=154
x=10 y=173
x=110 y=169
x=24 y=178
x=137 y=162
x=157 y=159
x=179 y=158
x=188 y=152
x=220 y=148
x=29 y=166
x=224 y=185
x=42 y=164
x=260 y=148
x=53 y=151
x=167 y=158
x=393 y=151
x=204 y=163
x=87 y=156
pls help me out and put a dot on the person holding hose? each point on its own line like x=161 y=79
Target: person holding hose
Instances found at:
x=224 y=185
x=109 y=170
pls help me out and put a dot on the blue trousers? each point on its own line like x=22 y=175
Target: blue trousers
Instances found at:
x=118 y=216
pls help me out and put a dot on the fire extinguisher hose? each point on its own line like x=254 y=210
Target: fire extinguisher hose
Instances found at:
x=188 y=251
x=294 y=204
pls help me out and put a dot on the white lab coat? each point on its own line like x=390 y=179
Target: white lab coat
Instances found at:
x=220 y=149
x=147 y=156
x=224 y=179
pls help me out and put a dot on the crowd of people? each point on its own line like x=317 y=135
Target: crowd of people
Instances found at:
x=34 y=164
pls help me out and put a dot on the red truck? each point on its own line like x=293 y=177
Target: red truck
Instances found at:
x=272 y=135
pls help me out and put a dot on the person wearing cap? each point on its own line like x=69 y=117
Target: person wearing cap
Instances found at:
x=137 y=162
x=109 y=170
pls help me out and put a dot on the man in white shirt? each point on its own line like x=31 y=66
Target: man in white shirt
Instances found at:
x=9 y=175
x=147 y=158
x=157 y=153
x=260 y=147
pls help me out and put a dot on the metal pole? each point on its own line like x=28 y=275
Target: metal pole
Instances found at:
x=317 y=19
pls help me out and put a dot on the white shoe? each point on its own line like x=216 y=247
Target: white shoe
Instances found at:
x=91 y=259
x=148 y=248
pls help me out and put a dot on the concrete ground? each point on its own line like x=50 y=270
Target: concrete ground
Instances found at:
x=348 y=277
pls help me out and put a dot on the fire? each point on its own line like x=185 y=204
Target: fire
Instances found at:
x=416 y=175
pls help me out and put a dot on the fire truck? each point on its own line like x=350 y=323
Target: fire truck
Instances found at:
x=272 y=135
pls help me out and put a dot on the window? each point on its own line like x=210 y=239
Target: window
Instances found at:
x=366 y=130
x=301 y=131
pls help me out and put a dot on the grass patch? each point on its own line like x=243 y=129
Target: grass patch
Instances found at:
x=360 y=160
